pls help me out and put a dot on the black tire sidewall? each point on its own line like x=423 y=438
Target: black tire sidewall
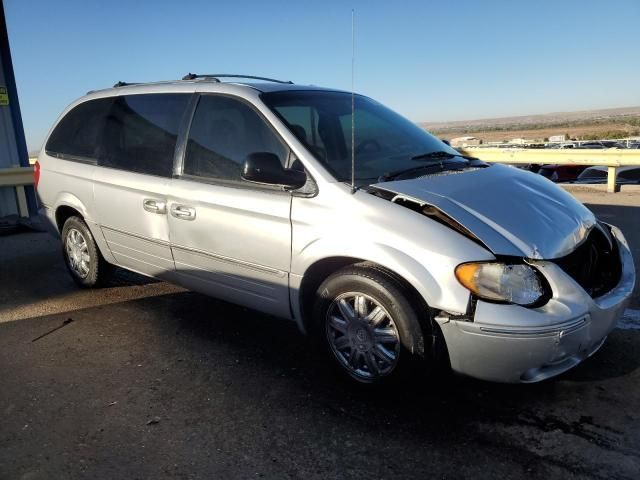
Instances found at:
x=93 y=277
x=392 y=297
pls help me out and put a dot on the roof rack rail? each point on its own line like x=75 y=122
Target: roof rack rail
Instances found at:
x=124 y=84
x=217 y=76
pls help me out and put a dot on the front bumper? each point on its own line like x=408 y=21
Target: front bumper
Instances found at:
x=510 y=343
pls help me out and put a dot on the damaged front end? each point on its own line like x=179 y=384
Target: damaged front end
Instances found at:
x=558 y=284
x=519 y=218
x=511 y=212
x=427 y=210
x=595 y=264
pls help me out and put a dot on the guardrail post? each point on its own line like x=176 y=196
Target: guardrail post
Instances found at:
x=612 y=173
x=23 y=206
x=612 y=158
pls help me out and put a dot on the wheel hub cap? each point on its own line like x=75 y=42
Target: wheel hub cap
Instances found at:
x=77 y=253
x=359 y=336
x=362 y=336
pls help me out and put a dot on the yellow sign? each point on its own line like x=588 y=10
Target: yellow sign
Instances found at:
x=4 y=97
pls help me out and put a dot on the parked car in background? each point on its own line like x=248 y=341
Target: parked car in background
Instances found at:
x=595 y=175
x=601 y=144
x=560 y=145
x=561 y=173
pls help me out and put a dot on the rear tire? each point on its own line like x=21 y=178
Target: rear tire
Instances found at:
x=81 y=255
x=368 y=325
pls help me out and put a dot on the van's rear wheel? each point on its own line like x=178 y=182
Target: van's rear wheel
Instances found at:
x=81 y=255
x=368 y=324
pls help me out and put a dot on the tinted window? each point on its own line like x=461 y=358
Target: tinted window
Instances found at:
x=591 y=173
x=223 y=132
x=303 y=122
x=78 y=132
x=140 y=133
x=384 y=140
x=630 y=175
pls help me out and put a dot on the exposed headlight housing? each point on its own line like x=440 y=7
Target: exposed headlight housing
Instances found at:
x=516 y=283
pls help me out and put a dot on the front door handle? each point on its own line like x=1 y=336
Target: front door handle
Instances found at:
x=183 y=212
x=154 y=206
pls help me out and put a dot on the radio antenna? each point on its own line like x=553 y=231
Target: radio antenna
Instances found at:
x=353 y=105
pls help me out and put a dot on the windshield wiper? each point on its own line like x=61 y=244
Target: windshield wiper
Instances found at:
x=440 y=154
x=407 y=171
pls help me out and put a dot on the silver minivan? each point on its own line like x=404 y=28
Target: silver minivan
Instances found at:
x=418 y=256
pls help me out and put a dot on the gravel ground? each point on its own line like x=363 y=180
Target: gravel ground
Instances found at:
x=146 y=380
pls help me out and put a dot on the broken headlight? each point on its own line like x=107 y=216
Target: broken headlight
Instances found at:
x=503 y=282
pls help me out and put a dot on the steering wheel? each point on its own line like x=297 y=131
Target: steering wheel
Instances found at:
x=369 y=144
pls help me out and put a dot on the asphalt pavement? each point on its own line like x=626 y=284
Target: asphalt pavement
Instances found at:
x=144 y=380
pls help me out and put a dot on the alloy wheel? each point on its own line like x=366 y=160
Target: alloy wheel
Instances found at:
x=78 y=253
x=363 y=336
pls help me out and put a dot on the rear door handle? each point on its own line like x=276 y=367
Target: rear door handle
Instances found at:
x=183 y=212
x=154 y=206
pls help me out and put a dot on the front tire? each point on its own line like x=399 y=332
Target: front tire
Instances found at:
x=81 y=255
x=368 y=325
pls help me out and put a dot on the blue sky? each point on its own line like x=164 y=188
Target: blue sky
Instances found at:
x=428 y=60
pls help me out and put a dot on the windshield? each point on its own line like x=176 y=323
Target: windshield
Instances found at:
x=384 y=141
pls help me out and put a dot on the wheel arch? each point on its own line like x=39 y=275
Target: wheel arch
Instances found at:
x=322 y=268
x=68 y=205
x=63 y=213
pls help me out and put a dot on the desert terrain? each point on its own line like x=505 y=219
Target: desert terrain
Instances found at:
x=582 y=125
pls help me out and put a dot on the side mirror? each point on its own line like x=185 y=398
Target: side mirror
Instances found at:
x=264 y=167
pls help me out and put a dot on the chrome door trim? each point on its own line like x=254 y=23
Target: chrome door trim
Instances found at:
x=141 y=237
x=233 y=261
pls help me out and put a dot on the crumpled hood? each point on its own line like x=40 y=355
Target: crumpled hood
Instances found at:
x=511 y=211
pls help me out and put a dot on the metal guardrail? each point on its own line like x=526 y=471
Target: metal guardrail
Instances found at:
x=18 y=177
x=611 y=158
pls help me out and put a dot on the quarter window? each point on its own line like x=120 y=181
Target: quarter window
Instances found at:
x=78 y=132
x=223 y=133
x=303 y=123
x=140 y=133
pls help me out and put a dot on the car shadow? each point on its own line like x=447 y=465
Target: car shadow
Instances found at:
x=276 y=347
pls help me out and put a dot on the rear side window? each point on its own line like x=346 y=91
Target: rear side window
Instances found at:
x=223 y=132
x=591 y=173
x=77 y=134
x=630 y=175
x=140 y=133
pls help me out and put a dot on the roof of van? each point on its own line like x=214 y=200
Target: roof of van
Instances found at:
x=180 y=85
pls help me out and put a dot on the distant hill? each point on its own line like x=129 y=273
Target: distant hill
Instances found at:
x=545 y=119
x=603 y=123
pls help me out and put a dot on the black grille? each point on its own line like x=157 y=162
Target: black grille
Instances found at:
x=595 y=265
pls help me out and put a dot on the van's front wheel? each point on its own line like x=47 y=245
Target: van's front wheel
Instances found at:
x=367 y=324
